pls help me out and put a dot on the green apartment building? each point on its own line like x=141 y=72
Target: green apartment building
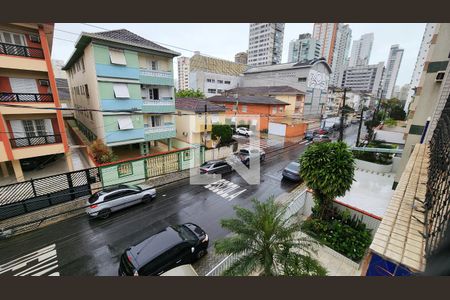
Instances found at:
x=129 y=80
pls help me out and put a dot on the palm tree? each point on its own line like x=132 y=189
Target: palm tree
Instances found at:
x=267 y=242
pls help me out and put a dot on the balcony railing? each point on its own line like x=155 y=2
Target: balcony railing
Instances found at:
x=24 y=97
x=158 y=106
x=18 y=50
x=159 y=132
x=156 y=77
x=35 y=141
x=156 y=73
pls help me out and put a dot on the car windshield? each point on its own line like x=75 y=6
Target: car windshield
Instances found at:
x=185 y=233
x=293 y=167
x=207 y=165
x=244 y=151
x=95 y=197
x=130 y=186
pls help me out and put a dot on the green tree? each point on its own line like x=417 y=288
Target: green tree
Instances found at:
x=328 y=169
x=223 y=132
x=267 y=242
x=190 y=94
x=397 y=113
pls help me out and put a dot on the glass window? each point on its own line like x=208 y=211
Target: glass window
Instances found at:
x=40 y=127
x=274 y=109
x=244 y=108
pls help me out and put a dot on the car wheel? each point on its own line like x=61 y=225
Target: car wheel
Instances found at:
x=200 y=254
x=147 y=198
x=104 y=213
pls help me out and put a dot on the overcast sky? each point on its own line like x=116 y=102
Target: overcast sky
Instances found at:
x=225 y=40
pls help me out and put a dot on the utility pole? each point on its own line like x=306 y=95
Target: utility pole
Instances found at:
x=360 y=125
x=206 y=123
x=341 y=129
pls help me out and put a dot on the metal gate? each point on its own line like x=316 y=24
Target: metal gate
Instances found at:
x=160 y=165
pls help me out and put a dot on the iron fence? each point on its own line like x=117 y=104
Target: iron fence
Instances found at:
x=437 y=199
x=35 y=140
x=25 y=97
x=18 y=50
x=23 y=197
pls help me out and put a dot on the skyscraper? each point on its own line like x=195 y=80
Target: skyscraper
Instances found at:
x=335 y=39
x=303 y=48
x=421 y=57
x=392 y=67
x=183 y=73
x=361 y=50
x=265 y=44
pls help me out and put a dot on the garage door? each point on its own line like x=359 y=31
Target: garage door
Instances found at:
x=277 y=129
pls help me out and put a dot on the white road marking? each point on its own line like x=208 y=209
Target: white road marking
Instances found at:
x=37 y=263
x=223 y=188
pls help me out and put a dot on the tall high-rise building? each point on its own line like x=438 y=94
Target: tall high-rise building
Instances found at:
x=335 y=39
x=392 y=68
x=241 y=58
x=421 y=57
x=183 y=73
x=361 y=50
x=403 y=94
x=367 y=79
x=265 y=44
x=304 y=48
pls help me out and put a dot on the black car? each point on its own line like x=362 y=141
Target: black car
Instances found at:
x=172 y=247
x=309 y=135
x=215 y=167
x=39 y=162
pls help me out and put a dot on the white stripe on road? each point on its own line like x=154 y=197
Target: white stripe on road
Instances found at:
x=37 y=263
x=223 y=188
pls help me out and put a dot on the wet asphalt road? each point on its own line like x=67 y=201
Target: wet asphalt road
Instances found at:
x=93 y=247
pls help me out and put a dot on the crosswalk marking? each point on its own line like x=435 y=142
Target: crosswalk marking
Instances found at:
x=38 y=263
x=225 y=189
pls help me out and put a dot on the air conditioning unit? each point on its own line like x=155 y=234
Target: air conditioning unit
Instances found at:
x=440 y=76
x=185 y=133
x=35 y=38
x=44 y=82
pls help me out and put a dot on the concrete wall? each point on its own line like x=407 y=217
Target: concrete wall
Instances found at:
x=369 y=166
x=218 y=153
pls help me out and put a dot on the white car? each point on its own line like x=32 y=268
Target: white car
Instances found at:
x=103 y=203
x=244 y=131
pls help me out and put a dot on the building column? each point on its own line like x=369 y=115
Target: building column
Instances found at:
x=169 y=144
x=18 y=170
x=4 y=169
x=69 y=161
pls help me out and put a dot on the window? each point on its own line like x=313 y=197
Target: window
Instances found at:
x=219 y=81
x=12 y=38
x=280 y=109
x=117 y=57
x=125 y=122
x=227 y=82
x=274 y=109
x=154 y=121
x=82 y=65
x=212 y=91
x=121 y=90
x=153 y=94
x=125 y=169
x=244 y=108
x=211 y=80
x=154 y=65
x=86 y=89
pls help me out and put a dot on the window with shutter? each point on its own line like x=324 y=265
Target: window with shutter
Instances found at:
x=121 y=90
x=117 y=57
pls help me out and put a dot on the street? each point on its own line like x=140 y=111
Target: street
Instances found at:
x=82 y=246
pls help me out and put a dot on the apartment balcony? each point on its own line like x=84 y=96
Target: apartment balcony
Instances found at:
x=22 y=57
x=160 y=132
x=158 y=106
x=35 y=141
x=156 y=77
x=25 y=97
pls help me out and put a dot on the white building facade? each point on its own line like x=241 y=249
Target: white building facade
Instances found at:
x=367 y=79
x=183 y=73
x=361 y=50
x=421 y=58
x=304 y=48
x=265 y=44
x=392 y=68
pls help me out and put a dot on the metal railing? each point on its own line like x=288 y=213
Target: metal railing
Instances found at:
x=162 y=102
x=437 y=199
x=25 y=97
x=156 y=73
x=163 y=128
x=35 y=141
x=294 y=206
x=378 y=150
x=18 y=50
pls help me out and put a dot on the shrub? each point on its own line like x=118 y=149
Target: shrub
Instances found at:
x=101 y=152
x=346 y=235
x=390 y=122
x=223 y=132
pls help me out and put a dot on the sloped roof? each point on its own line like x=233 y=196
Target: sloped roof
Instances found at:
x=200 y=62
x=264 y=90
x=287 y=66
x=197 y=105
x=247 y=99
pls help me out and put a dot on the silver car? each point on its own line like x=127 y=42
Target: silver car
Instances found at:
x=292 y=172
x=103 y=203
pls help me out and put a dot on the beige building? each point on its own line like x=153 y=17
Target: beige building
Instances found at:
x=191 y=120
x=31 y=135
x=241 y=58
x=183 y=73
x=433 y=86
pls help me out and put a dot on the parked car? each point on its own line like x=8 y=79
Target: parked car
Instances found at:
x=309 y=135
x=292 y=171
x=245 y=153
x=354 y=121
x=39 y=162
x=244 y=131
x=321 y=131
x=172 y=247
x=183 y=270
x=215 y=167
x=321 y=138
x=103 y=203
